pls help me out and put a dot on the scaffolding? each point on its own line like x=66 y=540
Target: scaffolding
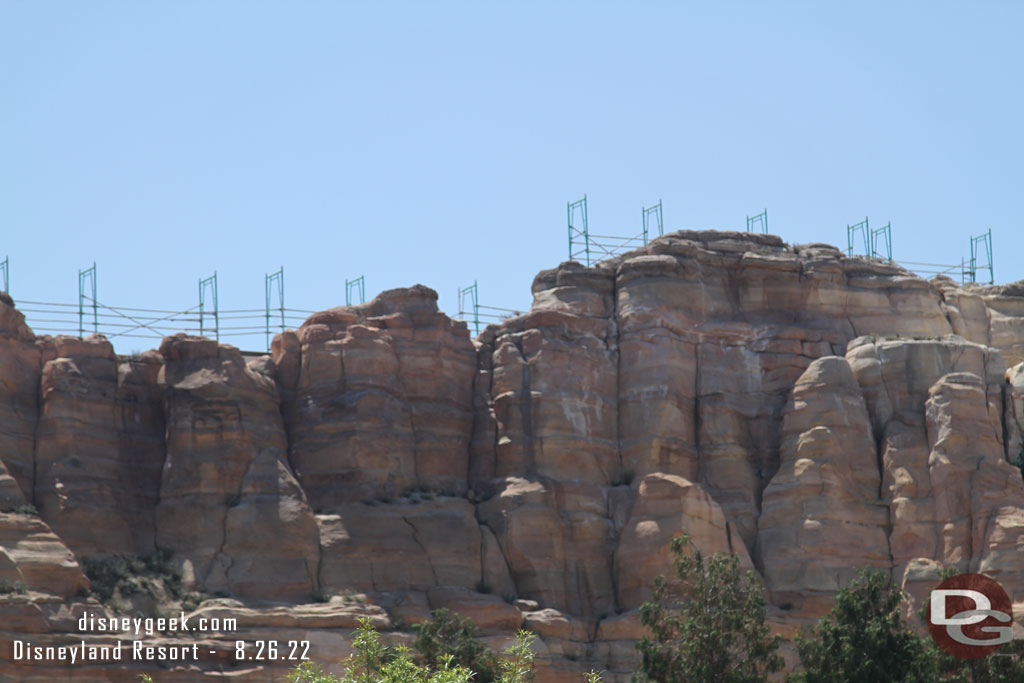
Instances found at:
x=87 y=300
x=871 y=239
x=587 y=248
x=659 y=218
x=984 y=241
x=885 y=232
x=878 y=244
x=470 y=294
x=934 y=269
x=357 y=285
x=209 y=285
x=119 y=323
x=758 y=221
x=469 y=304
x=579 y=231
x=851 y=233
x=274 y=281
x=5 y=270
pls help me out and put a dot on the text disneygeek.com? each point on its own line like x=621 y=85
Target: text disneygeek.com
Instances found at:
x=134 y=648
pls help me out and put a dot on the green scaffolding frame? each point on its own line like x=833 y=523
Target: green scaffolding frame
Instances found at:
x=470 y=294
x=870 y=238
x=851 y=232
x=209 y=284
x=983 y=240
x=89 y=274
x=587 y=248
x=576 y=233
x=886 y=232
x=759 y=220
x=655 y=211
x=359 y=285
x=274 y=281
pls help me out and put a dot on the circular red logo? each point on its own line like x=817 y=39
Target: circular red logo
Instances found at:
x=970 y=616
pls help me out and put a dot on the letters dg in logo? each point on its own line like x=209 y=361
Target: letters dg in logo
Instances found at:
x=970 y=616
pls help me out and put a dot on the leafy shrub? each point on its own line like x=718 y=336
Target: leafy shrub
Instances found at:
x=375 y=662
x=23 y=509
x=864 y=638
x=128 y=574
x=707 y=627
x=448 y=634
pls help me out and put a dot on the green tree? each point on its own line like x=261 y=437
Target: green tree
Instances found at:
x=709 y=626
x=517 y=664
x=448 y=633
x=865 y=639
x=375 y=662
x=1005 y=666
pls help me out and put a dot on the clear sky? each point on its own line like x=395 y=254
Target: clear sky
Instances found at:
x=438 y=143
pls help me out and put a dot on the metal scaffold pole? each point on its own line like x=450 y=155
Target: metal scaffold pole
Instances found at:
x=654 y=211
x=5 y=270
x=275 y=281
x=979 y=243
x=358 y=285
x=209 y=285
x=587 y=248
x=469 y=294
x=578 y=231
x=851 y=232
x=469 y=302
x=886 y=233
x=758 y=221
x=89 y=274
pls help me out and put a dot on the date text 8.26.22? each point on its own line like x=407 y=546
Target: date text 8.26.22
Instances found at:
x=272 y=650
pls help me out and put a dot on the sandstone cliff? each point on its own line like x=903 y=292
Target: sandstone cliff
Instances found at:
x=809 y=412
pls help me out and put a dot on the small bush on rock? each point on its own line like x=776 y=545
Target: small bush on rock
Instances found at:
x=376 y=662
x=114 y=577
x=448 y=634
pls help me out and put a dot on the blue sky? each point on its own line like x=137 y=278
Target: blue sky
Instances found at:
x=438 y=143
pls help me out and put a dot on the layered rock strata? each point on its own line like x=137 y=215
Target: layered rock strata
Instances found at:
x=226 y=475
x=99 y=446
x=377 y=399
x=809 y=412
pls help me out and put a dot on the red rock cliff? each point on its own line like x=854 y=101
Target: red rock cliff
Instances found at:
x=809 y=412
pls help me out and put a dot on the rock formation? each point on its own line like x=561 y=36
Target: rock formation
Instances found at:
x=20 y=359
x=377 y=399
x=227 y=475
x=99 y=446
x=809 y=412
x=821 y=515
